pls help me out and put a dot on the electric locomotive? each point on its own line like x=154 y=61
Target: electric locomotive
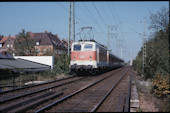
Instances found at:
x=90 y=56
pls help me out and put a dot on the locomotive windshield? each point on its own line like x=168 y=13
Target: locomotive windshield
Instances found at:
x=77 y=47
x=88 y=47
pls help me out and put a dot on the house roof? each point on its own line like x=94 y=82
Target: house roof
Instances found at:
x=6 y=38
x=20 y=65
x=47 y=39
x=5 y=55
x=3 y=39
x=65 y=42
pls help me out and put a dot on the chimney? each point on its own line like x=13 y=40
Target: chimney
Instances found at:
x=9 y=36
x=45 y=31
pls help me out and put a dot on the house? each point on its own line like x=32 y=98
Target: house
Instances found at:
x=7 y=42
x=65 y=42
x=47 y=43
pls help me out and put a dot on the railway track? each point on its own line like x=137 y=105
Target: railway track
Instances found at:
x=87 y=99
x=12 y=99
x=30 y=86
x=35 y=102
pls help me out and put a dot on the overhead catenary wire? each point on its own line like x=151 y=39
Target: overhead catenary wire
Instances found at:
x=99 y=15
x=120 y=25
x=108 y=17
x=74 y=14
x=118 y=19
x=92 y=16
x=112 y=13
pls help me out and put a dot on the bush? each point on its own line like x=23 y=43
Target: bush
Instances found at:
x=161 y=86
x=61 y=64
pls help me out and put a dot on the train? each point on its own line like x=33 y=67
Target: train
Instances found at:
x=91 y=56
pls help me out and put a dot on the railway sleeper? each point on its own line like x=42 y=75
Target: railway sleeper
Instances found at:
x=120 y=104
x=49 y=106
x=40 y=90
x=25 y=102
x=36 y=103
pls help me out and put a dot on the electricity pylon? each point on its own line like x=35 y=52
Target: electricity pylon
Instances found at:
x=71 y=26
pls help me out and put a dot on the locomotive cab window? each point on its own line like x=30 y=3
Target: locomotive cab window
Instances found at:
x=77 y=47
x=88 y=47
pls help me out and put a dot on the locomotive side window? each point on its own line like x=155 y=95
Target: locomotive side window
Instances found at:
x=77 y=47
x=88 y=47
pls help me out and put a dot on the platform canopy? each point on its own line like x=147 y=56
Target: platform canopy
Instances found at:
x=10 y=65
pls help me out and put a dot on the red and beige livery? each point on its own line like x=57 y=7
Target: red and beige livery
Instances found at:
x=88 y=55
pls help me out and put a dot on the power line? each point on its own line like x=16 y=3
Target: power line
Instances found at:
x=99 y=15
x=116 y=13
x=75 y=15
x=105 y=12
x=118 y=19
x=93 y=17
x=112 y=12
x=81 y=20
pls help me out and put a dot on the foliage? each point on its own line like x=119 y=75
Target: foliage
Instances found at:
x=157 y=48
x=137 y=63
x=160 y=20
x=24 y=45
x=161 y=85
x=61 y=64
x=157 y=53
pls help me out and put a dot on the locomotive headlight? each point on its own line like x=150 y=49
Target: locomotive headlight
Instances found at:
x=90 y=58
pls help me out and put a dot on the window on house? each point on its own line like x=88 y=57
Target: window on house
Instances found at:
x=59 y=52
x=45 y=50
x=8 y=45
x=37 y=43
x=0 y=45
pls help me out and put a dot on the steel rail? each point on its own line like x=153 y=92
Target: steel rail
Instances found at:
x=73 y=94
x=103 y=99
x=40 y=90
x=31 y=102
x=29 y=86
x=127 y=102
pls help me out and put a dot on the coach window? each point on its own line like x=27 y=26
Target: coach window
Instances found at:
x=88 y=47
x=77 y=47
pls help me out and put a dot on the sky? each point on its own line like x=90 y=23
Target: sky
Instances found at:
x=124 y=17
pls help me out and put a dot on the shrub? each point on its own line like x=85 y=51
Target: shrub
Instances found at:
x=161 y=85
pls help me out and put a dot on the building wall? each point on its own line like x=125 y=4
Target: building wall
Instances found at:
x=44 y=49
x=59 y=51
x=9 y=43
x=47 y=60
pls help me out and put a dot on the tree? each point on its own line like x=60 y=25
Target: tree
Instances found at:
x=157 y=59
x=24 y=45
x=160 y=20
